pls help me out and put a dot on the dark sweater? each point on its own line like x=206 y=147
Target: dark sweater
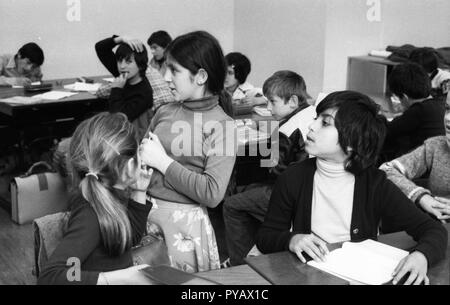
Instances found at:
x=419 y=122
x=83 y=240
x=375 y=199
x=133 y=100
x=291 y=148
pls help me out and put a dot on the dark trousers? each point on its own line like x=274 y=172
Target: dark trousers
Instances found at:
x=243 y=213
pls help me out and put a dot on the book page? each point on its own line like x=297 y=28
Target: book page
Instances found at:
x=368 y=262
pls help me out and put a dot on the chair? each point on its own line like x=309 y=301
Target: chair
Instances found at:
x=48 y=231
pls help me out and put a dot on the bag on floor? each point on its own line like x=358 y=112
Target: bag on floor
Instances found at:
x=36 y=195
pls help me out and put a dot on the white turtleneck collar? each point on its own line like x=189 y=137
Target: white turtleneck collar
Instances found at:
x=331 y=169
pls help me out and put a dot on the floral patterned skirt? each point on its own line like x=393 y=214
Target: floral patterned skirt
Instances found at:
x=189 y=235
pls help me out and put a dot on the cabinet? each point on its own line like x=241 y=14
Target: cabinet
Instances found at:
x=368 y=74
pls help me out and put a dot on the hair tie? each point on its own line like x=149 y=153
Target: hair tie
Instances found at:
x=92 y=174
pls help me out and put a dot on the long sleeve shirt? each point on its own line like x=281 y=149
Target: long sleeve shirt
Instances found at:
x=432 y=157
x=375 y=200
x=194 y=134
x=83 y=240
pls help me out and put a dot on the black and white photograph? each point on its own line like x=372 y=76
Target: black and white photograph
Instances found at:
x=241 y=145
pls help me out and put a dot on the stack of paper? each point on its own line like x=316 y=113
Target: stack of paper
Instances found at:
x=245 y=134
x=368 y=262
x=380 y=53
x=53 y=95
x=78 y=86
x=262 y=111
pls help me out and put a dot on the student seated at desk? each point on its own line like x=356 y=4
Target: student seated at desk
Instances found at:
x=423 y=115
x=23 y=68
x=432 y=157
x=244 y=212
x=109 y=210
x=131 y=92
x=158 y=42
x=340 y=195
x=440 y=79
x=238 y=68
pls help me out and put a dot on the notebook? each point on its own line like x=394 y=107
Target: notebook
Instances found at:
x=368 y=262
x=167 y=275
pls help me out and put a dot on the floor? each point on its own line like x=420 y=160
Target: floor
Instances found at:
x=16 y=244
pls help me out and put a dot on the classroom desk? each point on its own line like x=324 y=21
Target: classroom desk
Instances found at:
x=238 y=275
x=45 y=110
x=249 y=155
x=284 y=268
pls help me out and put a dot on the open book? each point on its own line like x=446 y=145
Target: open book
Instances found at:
x=368 y=262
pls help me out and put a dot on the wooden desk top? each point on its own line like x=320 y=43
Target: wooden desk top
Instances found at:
x=58 y=84
x=284 y=268
x=238 y=275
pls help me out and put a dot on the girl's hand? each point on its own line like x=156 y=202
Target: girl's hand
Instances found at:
x=153 y=154
x=120 y=81
x=310 y=244
x=416 y=264
x=439 y=207
x=143 y=177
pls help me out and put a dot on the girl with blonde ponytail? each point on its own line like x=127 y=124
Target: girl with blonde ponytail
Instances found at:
x=108 y=212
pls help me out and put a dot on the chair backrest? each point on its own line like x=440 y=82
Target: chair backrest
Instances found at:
x=48 y=232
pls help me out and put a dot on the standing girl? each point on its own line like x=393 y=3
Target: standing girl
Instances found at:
x=187 y=148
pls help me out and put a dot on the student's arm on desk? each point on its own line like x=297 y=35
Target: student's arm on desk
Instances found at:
x=14 y=81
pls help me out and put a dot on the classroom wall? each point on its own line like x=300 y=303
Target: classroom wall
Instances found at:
x=282 y=34
x=349 y=33
x=69 y=46
x=315 y=37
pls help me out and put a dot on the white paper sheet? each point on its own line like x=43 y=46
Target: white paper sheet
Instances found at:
x=54 y=95
x=78 y=86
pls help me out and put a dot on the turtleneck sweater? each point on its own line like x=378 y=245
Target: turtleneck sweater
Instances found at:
x=193 y=133
x=332 y=202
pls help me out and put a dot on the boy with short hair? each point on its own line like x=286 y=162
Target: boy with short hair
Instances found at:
x=158 y=42
x=423 y=115
x=131 y=91
x=23 y=68
x=244 y=212
x=440 y=79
